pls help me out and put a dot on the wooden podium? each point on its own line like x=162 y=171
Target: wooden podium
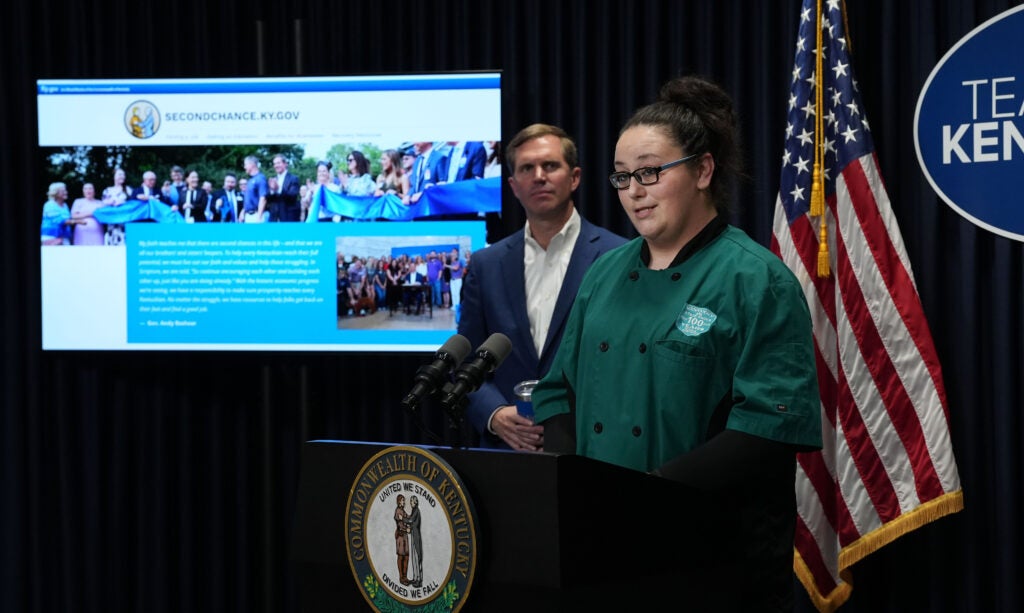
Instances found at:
x=556 y=532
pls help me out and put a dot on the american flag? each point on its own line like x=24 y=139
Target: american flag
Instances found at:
x=887 y=464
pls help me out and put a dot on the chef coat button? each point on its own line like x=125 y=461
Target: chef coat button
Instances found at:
x=603 y=346
x=676 y=276
x=598 y=427
x=633 y=275
x=637 y=431
x=643 y=347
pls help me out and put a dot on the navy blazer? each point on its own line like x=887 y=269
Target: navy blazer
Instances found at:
x=199 y=205
x=494 y=300
x=285 y=203
x=422 y=176
x=471 y=165
x=290 y=189
x=229 y=206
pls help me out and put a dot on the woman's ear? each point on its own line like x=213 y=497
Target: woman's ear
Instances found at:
x=705 y=170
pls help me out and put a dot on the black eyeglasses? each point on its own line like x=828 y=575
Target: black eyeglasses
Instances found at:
x=648 y=175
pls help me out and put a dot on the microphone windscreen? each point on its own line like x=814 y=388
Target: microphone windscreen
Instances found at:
x=499 y=346
x=458 y=347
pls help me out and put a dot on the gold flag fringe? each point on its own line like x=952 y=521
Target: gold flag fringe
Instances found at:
x=871 y=542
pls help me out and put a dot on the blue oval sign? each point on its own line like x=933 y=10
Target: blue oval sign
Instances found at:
x=969 y=126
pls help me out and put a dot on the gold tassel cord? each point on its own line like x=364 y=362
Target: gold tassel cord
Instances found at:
x=817 y=180
x=817 y=188
x=817 y=191
x=823 y=259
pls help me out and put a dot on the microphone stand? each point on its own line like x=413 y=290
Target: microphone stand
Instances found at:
x=456 y=437
x=455 y=414
x=432 y=436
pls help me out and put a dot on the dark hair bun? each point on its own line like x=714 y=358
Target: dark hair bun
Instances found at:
x=698 y=115
x=698 y=94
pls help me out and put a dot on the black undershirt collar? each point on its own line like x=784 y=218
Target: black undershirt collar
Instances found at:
x=707 y=234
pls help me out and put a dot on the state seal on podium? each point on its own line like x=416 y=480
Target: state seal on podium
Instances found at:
x=411 y=532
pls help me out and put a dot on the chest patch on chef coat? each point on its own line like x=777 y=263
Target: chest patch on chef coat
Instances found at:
x=695 y=320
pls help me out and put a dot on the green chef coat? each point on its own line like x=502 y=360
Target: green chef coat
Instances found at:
x=648 y=355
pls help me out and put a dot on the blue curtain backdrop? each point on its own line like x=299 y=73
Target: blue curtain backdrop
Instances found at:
x=126 y=485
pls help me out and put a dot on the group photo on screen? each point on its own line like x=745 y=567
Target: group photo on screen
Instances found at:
x=400 y=282
x=92 y=193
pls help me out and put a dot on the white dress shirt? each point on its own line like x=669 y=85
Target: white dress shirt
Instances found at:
x=544 y=271
x=455 y=161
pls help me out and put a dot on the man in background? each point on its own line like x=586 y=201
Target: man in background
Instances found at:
x=284 y=200
x=255 y=204
x=524 y=285
x=177 y=186
x=227 y=203
x=464 y=160
x=192 y=201
x=434 y=268
x=408 y=161
x=148 y=191
x=427 y=170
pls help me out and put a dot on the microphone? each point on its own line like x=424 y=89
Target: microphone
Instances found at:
x=470 y=376
x=432 y=377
